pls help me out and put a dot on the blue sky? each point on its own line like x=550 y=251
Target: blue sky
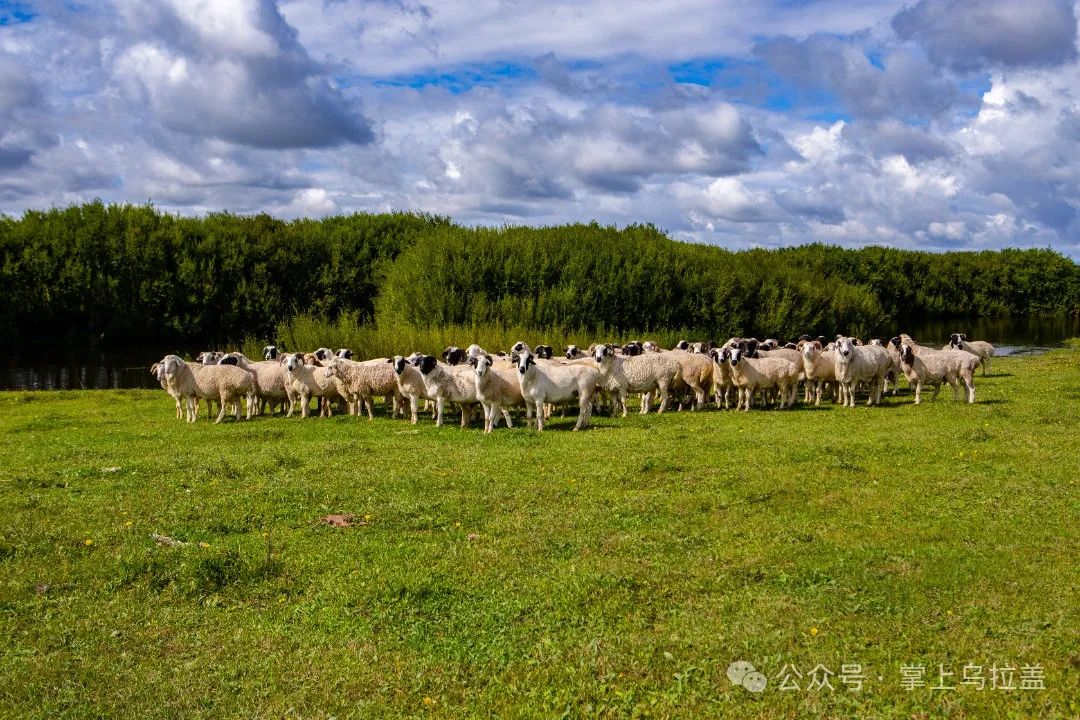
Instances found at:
x=934 y=124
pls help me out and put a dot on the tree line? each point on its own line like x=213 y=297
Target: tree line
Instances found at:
x=128 y=274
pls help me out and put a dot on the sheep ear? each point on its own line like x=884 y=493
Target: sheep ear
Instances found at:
x=472 y=361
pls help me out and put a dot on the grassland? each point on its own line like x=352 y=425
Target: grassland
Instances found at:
x=611 y=573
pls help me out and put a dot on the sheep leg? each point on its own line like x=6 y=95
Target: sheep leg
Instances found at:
x=584 y=412
x=466 y=415
x=937 y=389
x=438 y=411
x=414 y=407
x=969 y=383
x=506 y=416
x=539 y=415
x=646 y=403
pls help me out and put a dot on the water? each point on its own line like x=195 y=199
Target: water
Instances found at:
x=66 y=368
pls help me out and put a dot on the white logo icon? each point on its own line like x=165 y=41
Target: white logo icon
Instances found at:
x=743 y=673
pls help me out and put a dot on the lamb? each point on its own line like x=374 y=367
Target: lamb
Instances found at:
x=304 y=381
x=194 y=381
x=270 y=380
x=860 y=363
x=935 y=368
x=448 y=383
x=496 y=389
x=645 y=374
x=752 y=374
x=819 y=368
x=980 y=348
x=554 y=384
x=361 y=381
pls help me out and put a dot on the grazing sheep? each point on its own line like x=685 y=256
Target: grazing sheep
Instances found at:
x=860 y=363
x=447 y=383
x=819 y=368
x=752 y=374
x=980 y=348
x=496 y=389
x=695 y=374
x=270 y=380
x=555 y=384
x=935 y=368
x=622 y=375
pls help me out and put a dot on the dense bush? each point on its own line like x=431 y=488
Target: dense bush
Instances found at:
x=132 y=274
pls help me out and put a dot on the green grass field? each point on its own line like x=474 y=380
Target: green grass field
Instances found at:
x=612 y=573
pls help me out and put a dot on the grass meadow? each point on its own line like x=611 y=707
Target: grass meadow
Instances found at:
x=616 y=572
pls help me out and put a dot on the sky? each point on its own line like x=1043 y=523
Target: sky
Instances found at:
x=937 y=124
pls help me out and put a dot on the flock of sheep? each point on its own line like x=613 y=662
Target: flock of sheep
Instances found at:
x=601 y=377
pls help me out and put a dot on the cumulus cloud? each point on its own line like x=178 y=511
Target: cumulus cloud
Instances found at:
x=966 y=35
x=939 y=125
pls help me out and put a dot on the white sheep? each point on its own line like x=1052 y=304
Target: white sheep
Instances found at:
x=449 y=383
x=497 y=389
x=194 y=381
x=410 y=382
x=860 y=363
x=158 y=371
x=980 y=348
x=819 y=369
x=270 y=380
x=752 y=374
x=360 y=382
x=722 y=379
x=306 y=379
x=695 y=374
x=622 y=375
x=542 y=384
x=935 y=368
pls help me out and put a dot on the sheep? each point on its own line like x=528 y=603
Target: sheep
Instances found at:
x=632 y=348
x=304 y=381
x=410 y=382
x=544 y=352
x=860 y=363
x=158 y=371
x=453 y=355
x=193 y=381
x=751 y=374
x=270 y=380
x=573 y=352
x=556 y=383
x=209 y=357
x=722 y=380
x=361 y=381
x=935 y=368
x=819 y=368
x=703 y=347
x=650 y=346
x=345 y=353
x=696 y=374
x=496 y=389
x=644 y=374
x=449 y=383
x=475 y=350
x=323 y=354
x=270 y=352
x=980 y=348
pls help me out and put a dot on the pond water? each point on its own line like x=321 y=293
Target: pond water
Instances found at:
x=73 y=368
